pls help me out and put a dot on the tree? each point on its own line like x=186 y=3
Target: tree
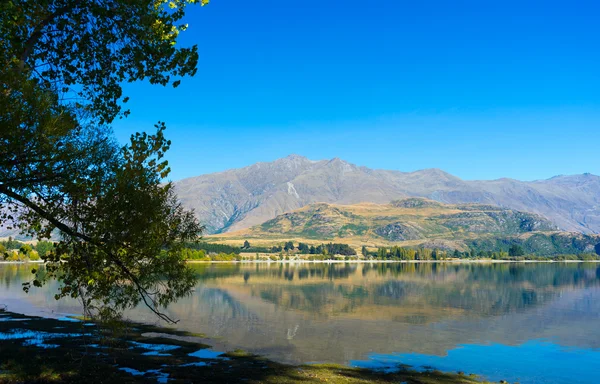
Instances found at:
x=364 y=251
x=89 y=48
x=276 y=248
x=44 y=247
x=246 y=244
x=12 y=244
x=597 y=249
x=62 y=63
x=340 y=249
x=25 y=249
x=515 y=250
x=322 y=250
x=288 y=246
x=303 y=248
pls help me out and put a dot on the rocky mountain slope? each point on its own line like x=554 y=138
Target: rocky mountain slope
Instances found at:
x=241 y=198
x=402 y=220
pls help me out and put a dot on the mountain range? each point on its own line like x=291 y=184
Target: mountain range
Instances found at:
x=245 y=197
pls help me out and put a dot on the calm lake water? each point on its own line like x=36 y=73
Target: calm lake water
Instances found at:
x=531 y=323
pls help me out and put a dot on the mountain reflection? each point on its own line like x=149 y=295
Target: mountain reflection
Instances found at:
x=298 y=312
x=479 y=289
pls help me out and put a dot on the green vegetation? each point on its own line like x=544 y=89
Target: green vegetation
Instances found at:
x=516 y=254
x=13 y=250
x=214 y=248
x=44 y=247
x=288 y=246
x=302 y=248
x=335 y=249
x=408 y=254
x=495 y=249
x=62 y=66
x=24 y=253
x=97 y=354
x=538 y=244
x=515 y=251
x=11 y=244
x=202 y=255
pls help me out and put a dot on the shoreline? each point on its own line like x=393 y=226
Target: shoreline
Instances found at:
x=354 y=261
x=83 y=351
x=451 y=261
x=455 y=261
x=22 y=262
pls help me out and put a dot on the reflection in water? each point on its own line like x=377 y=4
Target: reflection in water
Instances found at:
x=343 y=312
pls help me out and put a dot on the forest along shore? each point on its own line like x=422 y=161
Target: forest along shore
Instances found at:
x=72 y=350
x=359 y=261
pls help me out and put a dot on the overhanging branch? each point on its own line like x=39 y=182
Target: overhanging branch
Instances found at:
x=143 y=292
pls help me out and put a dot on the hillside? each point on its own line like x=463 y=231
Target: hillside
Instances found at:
x=245 y=197
x=417 y=222
x=402 y=220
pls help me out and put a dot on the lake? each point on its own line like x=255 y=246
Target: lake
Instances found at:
x=525 y=322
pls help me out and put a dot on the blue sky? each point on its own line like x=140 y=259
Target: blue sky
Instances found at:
x=481 y=89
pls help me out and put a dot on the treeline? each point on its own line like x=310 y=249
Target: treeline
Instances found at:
x=323 y=249
x=11 y=244
x=514 y=253
x=213 y=248
x=14 y=250
x=579 y=257
x=408 y=254
x=401 y=253
x=301 y=248
x=202 y=255
x=540 y=244
x=222 y=252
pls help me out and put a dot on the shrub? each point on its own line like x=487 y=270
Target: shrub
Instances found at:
x=33 y=256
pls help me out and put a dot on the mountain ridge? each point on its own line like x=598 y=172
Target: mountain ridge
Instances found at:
x=401 y=220
x=242 y=197
x=416 y=223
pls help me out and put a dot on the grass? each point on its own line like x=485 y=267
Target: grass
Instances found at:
x=99 y=354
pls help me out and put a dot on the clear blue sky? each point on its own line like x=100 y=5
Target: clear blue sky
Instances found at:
x=481 y=89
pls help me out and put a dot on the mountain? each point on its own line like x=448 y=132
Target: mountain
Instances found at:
x=417 y=222
x=245 y=197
